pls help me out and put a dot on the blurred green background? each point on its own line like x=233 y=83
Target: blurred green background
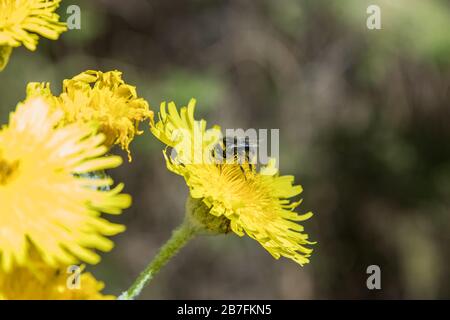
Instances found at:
x=364 y=126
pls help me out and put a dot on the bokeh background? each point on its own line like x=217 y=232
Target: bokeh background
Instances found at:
x=364 y=126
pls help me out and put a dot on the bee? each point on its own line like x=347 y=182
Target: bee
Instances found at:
x=236 y=150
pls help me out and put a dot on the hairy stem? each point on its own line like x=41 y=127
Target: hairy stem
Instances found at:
x=180 y=237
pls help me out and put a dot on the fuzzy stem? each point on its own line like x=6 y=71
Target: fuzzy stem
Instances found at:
x=180 y=237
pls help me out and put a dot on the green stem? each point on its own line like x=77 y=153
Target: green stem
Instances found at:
x=180 y=237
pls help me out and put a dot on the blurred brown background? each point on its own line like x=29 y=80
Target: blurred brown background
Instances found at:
x=364 y=125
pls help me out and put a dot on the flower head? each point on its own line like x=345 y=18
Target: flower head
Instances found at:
x=46 y=200
x=100 y=97
x=22 y=21
x=255 y=202
x=48 y=283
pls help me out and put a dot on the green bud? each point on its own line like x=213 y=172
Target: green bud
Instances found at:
x=198 y=215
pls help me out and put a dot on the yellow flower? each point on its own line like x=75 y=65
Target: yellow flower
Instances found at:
x=101 y=97
x=255 y=202
x=47 y=283
x=5 y=53
x=46 y=199
x=22 y=21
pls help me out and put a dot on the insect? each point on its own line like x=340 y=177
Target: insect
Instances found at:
x=236 y=150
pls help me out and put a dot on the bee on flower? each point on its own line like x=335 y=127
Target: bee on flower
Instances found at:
x=234 y=196
x=225 y=196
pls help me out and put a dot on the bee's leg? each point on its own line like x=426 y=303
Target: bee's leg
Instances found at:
x=218 y=162
x=249 y=161
x=243 y=171
x=247 y=150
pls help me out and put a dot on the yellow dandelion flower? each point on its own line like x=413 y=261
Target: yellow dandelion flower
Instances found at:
x=22 y=21
x=254 y=202
x=5 y=53
x=46 y=199
x=101 y=97
x=48 y=283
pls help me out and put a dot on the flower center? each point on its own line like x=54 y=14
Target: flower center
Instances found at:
x=7 y=170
